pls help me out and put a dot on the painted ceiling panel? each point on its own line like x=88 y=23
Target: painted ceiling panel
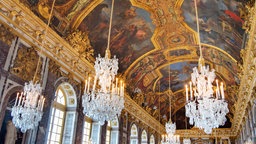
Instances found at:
x=132 y=29
x=220 y=23
x=152 y=38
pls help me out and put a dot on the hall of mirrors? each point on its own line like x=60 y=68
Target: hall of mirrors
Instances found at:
x=55 y=44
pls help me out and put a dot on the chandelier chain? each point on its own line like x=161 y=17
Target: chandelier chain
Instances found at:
x=198 y=30
x=110 y=24
x=170 y=101
x=44 y=37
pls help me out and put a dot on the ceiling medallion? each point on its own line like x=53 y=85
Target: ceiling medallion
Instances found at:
x=205 y=109
x=107 y=102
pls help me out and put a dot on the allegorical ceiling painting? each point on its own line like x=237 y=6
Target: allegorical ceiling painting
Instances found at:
x=220 y=23
x=147 y=68
x=142 y=75
x=223 y=64
x=176 y=74
x=132 y=29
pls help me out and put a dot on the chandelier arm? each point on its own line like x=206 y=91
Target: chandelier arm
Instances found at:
x=110 y=27
x=41 y=49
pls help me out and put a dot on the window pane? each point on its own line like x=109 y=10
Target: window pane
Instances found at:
x=59 y=130
x=56 y=124
x=107 y=136
x=86 y=132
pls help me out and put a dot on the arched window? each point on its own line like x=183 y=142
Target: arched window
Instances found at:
x=62 y=116
x=87 y=130
x=112 y=132
x=152 y=139
x=144 y=137
x=134 y=135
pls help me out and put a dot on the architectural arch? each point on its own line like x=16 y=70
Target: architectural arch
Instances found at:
x=134 y=134
x=8 y=100
x=63 y=115
x=152 y=139
x=144 y=137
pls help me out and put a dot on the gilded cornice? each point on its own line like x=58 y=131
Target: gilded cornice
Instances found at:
x=31 y=29
x=134 y=109
x=248 y=76
x=195 y=132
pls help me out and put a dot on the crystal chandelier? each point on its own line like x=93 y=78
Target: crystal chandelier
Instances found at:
x=170 y=137
x=186 y=141
x=28 y=108
x=106 y=102
x=204 y=109
x=27 y=111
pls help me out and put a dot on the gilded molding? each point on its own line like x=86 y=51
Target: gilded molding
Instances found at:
x=31 y=29
x=195 y=132
x=5 y=35
x=134 y=109
x=248 y=77
x=25 y=64
x=80 y=42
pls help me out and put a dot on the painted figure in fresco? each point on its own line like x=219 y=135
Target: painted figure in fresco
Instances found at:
x=130 y=35
x=146 y=65
x=11 y=135
x=220 y=23
x=77 y=7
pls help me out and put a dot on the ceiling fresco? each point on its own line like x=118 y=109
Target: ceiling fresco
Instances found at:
x=220 y=23
x=154 y=39
x=132 y=29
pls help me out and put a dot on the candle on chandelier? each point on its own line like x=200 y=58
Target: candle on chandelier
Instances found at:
x=191 y=91
x=39 y=103
x=85 y=86
x=122 y=90
x=121 y=87
x=222 y=91
x=42 y=104
x=20 y=100
x=116 y=82
x=88 y=86
x=23 y=101
x=16 y=99
x=164 y=137
x=217 y=90
x=186 y=92
x=94 y=84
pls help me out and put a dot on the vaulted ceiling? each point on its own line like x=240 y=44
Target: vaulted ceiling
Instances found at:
x=156 y=44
